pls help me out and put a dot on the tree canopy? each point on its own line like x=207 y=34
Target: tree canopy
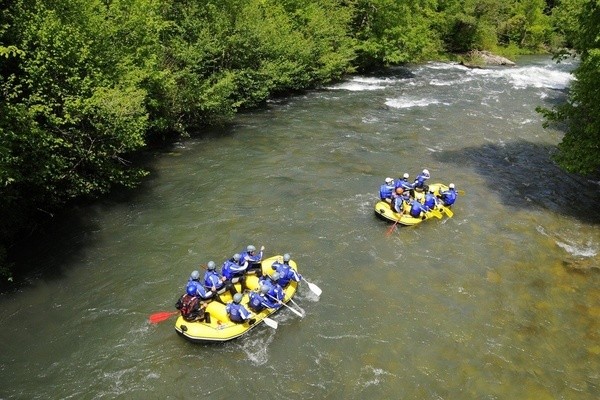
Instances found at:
x=579 y=150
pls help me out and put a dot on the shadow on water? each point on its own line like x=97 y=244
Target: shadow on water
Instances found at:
x=63 y=238
x=44 y=251
x=524 y=176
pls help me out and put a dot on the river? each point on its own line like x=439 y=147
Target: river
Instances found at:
x=502 y=301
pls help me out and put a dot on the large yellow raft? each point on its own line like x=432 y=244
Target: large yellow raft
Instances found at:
x=221 y=328
x=384 y=210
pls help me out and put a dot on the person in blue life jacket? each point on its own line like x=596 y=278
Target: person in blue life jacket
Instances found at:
x=419 y=183
x=258 y=299
x=448 y=197
x=404 y=184
x=237 y=312
x=386 y=190
x=234 y=271
x=252 y=260
x=201 y=292
x=398 y=201
x=190 y=306
x=215 y=281
x=265 y=280
x=430 y=201
x=416 y=209
x=275 y=292
x=286 y=272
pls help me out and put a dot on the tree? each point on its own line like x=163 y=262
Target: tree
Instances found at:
x=579 y=150
x=395 y=31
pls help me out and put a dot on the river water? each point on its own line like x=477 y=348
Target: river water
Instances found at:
x=500 y=302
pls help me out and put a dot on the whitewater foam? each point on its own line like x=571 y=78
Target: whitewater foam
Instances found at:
x=530 y=76
x=410 y=103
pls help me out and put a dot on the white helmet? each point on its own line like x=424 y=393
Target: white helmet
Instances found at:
x=406 y=175
x=236 y=257
x=388 y=180
x=286 y=257
x=426 y=172
x=195 y=275
x=250 y=248
x=451 y=186
x=211 y=266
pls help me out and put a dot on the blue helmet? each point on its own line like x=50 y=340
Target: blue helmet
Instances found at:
x=191 y=290
x=275 y=276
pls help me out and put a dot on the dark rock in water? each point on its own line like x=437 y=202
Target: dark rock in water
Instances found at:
x=479 y=59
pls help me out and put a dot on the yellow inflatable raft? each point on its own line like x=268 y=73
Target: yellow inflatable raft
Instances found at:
x=221 y=328
x=384 y=210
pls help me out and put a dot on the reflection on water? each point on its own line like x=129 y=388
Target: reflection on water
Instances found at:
x=499 y=302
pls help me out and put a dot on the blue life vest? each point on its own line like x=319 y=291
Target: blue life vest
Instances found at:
x=448 y=197
x=245 y=256
x=404 y=184
x=201 y=291
x=385 y=191
x=275 y=293
x=420 y=181
x=237 y=312
x=286 y=273
x=398 y=201
x=415 y=209
x=231 y=269
x=212 y=278
x=257 y=302
x=265 y=280
x=429 y=201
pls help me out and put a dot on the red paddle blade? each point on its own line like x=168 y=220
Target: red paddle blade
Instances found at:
x=161 y=316
x=389 y=231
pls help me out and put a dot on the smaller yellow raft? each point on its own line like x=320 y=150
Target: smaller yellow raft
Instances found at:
x=384 y=210
x=221 y=328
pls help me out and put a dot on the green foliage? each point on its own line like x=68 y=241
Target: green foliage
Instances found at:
x=565 y=22
x=79 y=123
x=527 y=26
x=395 y=31
x=579 y=150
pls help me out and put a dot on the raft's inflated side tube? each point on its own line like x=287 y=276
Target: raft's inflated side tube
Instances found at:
x=221 y=328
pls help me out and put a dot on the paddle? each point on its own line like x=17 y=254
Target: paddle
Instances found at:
x=313 y=288
x=299 y=308
x=285 y=305
x=435 y=213
x=389 y=231
x=162 y=316
x=270 y=322
x=447 y=211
